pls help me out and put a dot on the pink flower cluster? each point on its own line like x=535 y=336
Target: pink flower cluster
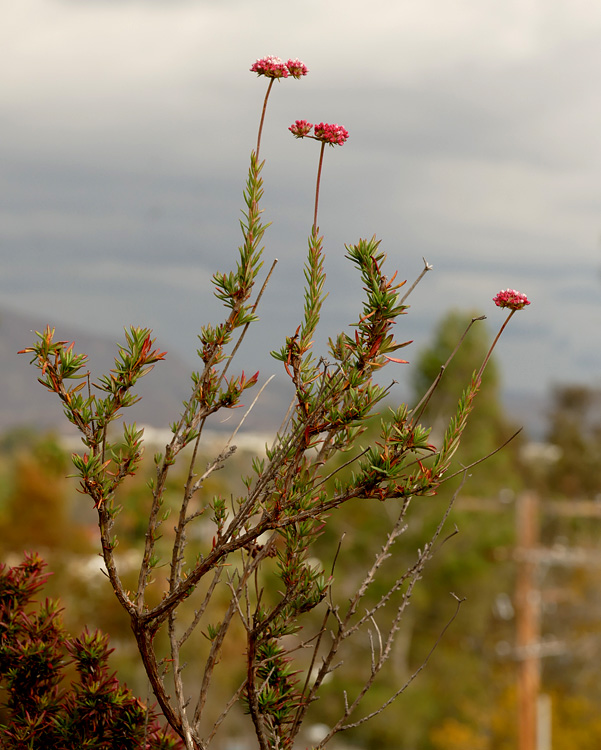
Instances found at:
x=275 y=67
x=511 y=299
x=297 y=68
x=332 y=134
x=300 y=128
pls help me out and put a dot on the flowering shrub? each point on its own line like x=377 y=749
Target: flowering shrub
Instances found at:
x=282 y=600
x=95 y=712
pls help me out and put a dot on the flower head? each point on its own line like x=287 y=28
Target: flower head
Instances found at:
x=270 y=66
x=332 y=134
x=511 y=299
x=300 y=128
x=297 y=68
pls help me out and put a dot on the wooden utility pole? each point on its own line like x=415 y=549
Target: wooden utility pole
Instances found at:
x=527 y=620
x=534 y=710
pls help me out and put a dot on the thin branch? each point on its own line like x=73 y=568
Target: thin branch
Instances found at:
x=427 y=267
x=492 y=346
x=484 y=458
x=177 y=682
x=198 y=614
x=284 y=421
x=252 y=694
x=418 y=410
x=402 y=689
x=338 y=637
x=228 y=706
x=248 y=411
x=341 y=467
x=304 y=703
x=345 y=631
x=379 y=634
x=216 y=464
x=217 y=642
x=179 y=544
x=252 y=311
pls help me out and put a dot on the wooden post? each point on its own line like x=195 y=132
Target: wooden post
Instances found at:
x=544 y=710
x=527 y=620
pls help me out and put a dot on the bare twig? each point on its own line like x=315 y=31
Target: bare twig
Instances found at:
x=413 y=575
x=228 y=706
x=247 y=412
x=253 y=311
x=419 y=409
x=404 y=687
x=427 y=267
x=464 y=469
x=177 y=683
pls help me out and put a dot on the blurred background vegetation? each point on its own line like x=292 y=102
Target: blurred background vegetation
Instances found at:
x=465 y=698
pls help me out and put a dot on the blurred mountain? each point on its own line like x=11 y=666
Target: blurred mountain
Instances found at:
x=26 y=403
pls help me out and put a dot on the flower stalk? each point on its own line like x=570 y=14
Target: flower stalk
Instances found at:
x=274 y=69
x=512 y=300
x=332 y=134
x=321 y=150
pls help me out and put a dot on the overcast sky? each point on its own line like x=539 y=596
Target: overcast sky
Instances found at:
x=126 y=129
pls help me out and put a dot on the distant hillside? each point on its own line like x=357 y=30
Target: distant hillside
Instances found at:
x=27 y=403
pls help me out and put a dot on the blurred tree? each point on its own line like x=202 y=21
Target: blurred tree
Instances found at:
x=576 y=722
x=35 y=512
x=488 y=427
x=575 y=428
x=465 y=676
x=455 y=735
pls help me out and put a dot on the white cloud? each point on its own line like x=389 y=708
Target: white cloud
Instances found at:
x=101 y=50
x=477 y=201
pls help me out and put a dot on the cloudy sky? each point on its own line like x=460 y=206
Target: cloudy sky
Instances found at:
x=126 y=128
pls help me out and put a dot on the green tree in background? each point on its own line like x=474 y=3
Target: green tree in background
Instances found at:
x=35 y=512
x=476 y=697
x=464 y=680
x=575 y=430
x=466 y=676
